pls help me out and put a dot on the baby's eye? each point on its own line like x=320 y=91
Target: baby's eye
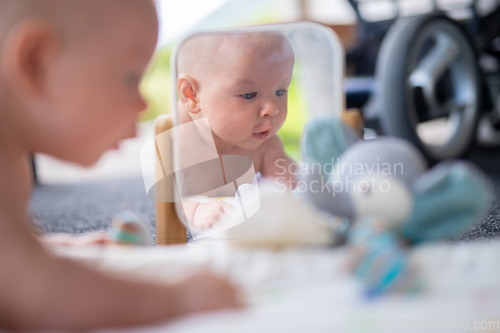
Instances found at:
x=280 y=92
x=249 y=95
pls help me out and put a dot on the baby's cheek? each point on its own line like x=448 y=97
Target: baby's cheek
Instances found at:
x=231 y=126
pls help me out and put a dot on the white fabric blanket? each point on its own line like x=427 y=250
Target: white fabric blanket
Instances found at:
x=309 y=289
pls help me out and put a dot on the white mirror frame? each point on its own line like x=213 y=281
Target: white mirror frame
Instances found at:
x=338 y=68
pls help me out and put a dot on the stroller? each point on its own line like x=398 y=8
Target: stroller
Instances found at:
x=431 y=78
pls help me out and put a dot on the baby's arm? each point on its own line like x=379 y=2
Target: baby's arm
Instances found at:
x=277 y=164
x=41 y=291
x=91 y=238
x=204 y=215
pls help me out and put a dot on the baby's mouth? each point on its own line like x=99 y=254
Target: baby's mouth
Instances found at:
x=261 y=135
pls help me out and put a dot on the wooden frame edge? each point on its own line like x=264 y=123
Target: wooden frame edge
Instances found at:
x=169 y=228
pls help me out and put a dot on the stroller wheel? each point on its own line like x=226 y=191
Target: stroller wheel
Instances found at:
x=428 y=86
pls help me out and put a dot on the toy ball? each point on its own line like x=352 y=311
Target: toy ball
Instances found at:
x=128 y=229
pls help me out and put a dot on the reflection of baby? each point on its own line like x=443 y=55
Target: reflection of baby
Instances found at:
x=239 y=82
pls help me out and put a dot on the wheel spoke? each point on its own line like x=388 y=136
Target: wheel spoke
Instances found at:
x=454 y=120
x=427 y=73
x=452 y=106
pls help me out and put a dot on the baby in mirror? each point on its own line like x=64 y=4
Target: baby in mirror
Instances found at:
x=240 y=83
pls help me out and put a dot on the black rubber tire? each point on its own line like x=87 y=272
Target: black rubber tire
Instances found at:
x=396 y=109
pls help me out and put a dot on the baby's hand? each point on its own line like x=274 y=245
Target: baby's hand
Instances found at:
x=210 y=212
x=92 y=238
x=205 y=292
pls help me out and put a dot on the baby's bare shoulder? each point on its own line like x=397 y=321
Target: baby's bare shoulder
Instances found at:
x=19 y=249
x=14 y=197
x=273 y=155
x=272 y=146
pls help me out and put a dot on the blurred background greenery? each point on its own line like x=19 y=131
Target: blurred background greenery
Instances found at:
x=156 y=86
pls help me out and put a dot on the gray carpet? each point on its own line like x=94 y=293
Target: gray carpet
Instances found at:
x=81 y=208
x=487 y=226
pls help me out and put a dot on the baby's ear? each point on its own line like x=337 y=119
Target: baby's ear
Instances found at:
x=30 y=49
x=187 y=88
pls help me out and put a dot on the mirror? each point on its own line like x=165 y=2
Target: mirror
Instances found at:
x=241 y=100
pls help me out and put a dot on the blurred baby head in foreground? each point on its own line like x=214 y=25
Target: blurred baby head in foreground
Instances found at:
x=69 y=73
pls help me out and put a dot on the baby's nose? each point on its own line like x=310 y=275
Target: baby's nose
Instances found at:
x=269 y=109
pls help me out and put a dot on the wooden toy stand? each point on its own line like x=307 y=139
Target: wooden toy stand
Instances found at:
x=169 y=228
